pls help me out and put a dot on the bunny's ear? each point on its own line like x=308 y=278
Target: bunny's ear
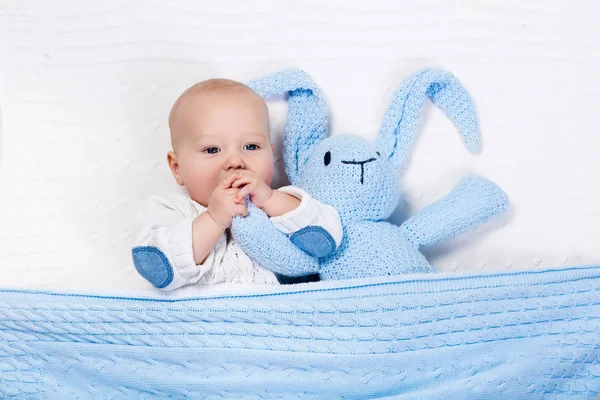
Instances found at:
x=401 y=119
x=307 y=120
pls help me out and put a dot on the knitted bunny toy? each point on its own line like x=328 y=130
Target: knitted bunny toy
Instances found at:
x=360 y=180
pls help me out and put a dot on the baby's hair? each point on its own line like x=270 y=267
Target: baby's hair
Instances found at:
x=213 y=84
x=207 y=86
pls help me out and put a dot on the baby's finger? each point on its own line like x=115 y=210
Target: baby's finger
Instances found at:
x=231 y=194
x=244 y=180
x=238 y=182
x=245 y=191
x=239 y=200
x=226 y=183
x=230 y=191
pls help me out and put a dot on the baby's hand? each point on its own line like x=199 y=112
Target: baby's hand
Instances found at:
x=250 y=183
x=222 y=207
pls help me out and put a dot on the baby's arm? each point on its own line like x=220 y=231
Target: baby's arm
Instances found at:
x=209 y=227
x=206 y=233
x=173 y=246
x=280 y=203
x=314 y=227
x=167 y=242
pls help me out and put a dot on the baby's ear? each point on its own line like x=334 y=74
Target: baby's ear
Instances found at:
x=174 y=166
x=402 y=117
x=307 y=120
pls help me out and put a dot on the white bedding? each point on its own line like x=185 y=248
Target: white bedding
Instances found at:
x=85 y=89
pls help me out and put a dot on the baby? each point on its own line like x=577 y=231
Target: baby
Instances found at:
x=221 y=153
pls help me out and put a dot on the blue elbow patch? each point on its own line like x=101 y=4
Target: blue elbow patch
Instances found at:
x=314 y=240
x=153 y=265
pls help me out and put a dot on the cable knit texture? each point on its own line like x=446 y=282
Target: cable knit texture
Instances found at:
x=515 y=335
x=504 y=335
x=360 y=179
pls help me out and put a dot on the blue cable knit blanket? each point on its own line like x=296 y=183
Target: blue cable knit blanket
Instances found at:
x=503 y=335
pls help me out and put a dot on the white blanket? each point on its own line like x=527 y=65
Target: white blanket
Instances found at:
x=86 y=87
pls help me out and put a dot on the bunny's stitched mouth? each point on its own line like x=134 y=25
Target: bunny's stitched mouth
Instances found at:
x=362 y=166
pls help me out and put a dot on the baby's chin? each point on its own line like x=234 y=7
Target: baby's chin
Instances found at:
x=200 y=200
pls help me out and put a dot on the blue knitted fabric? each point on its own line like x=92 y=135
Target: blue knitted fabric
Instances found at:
x=360 y=179
x=513 y=335
x=261 y=241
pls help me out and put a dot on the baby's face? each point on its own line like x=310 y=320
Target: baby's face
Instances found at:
x=218 y=132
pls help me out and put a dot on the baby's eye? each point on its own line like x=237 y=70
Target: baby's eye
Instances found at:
x=211 y=150
x=251 y=147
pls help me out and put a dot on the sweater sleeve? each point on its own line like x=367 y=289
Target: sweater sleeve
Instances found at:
x=162 y=243
x=311 y=215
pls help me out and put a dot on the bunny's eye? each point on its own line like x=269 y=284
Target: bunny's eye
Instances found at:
x=327 y=158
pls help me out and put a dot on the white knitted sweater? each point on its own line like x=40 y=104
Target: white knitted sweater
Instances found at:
x=165 y=222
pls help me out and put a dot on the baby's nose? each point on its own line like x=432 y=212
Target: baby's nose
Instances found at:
x=234 y=161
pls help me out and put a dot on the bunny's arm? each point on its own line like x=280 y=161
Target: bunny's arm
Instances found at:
x=269 y=247
x=473 y=201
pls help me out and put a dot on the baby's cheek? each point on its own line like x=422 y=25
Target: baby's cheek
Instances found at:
x=267 y=176
x=268 y=170
x=203 y=186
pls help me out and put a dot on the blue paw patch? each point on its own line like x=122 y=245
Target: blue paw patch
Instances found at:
x=153 y=265
x=314 y=240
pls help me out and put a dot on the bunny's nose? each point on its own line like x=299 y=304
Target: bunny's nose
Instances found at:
x=362 y=166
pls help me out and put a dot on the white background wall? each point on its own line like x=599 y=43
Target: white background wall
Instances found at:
x=86 y=87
